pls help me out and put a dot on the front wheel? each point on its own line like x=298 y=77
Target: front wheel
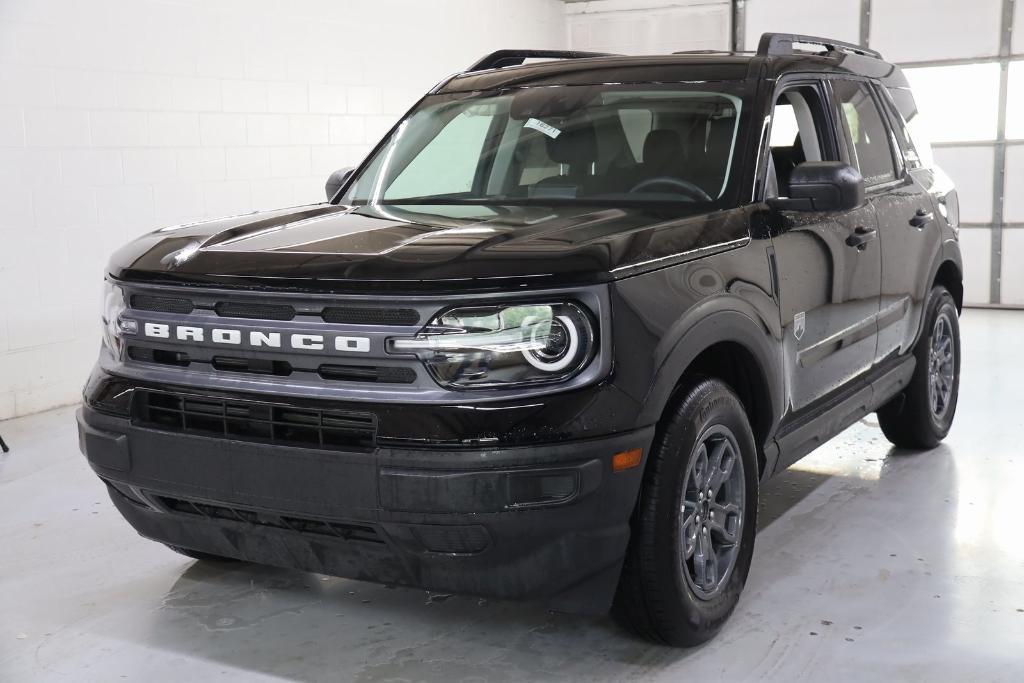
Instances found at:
x=921 y=416
x=693 y=531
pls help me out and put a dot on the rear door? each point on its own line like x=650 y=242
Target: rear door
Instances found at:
x=829 y=263
x=909 y=234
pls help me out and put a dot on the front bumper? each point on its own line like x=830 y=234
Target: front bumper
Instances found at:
x=539 y=522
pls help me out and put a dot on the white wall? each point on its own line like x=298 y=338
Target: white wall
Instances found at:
x=649 y=26
x=119 y=116
x=839 y=19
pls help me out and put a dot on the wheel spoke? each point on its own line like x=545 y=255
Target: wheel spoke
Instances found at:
x=688 y=527
x=689 y=514
x=705 y=564
x=946 y=349
x=722 y=460
x=715 y=459
x=725 y=467
x=718 y=523
x=690 y=545
x=700 y=467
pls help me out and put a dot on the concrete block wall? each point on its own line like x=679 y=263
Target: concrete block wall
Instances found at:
x=120 y=116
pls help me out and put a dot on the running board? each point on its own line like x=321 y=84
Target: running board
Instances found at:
x=799 y=438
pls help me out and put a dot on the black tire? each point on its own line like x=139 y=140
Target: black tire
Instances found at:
x=202 y=557
x=910 y=420
x=657 y=596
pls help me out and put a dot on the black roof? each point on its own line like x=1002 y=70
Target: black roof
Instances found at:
x=776 y=54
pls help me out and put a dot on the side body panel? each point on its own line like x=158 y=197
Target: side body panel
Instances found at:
x=911 y=230
x=665 y=318
x=914 y=246
x=829 y=299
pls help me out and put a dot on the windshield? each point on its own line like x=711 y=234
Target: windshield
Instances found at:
x=593 y=144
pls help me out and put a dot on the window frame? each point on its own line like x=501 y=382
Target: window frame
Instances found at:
x=830 y=141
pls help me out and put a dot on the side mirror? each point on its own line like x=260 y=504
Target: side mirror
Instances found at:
x=822 y=186
x=337 y=179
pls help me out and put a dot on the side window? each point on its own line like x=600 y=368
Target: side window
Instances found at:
x=911 y=159
x=797 y=135
x=912 y=127
x=871 y=145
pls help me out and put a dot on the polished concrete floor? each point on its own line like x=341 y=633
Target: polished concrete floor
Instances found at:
x=870 y=563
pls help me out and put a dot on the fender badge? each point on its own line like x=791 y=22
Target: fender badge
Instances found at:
x=799 y=325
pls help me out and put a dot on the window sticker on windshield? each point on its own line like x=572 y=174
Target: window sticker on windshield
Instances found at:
x=545 y=128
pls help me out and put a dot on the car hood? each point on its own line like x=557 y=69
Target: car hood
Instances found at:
x=338 y=248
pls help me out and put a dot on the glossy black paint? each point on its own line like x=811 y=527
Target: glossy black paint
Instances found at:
x=810 y=324
x=414 y=249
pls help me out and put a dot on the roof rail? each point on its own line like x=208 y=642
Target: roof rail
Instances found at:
x=503 y=58
x=775 y=44
x=703 y=52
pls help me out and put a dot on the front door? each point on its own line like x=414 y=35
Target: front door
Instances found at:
x=829 y=263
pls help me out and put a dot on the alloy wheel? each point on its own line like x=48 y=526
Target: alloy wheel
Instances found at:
x=941 y=365
x=711 y=516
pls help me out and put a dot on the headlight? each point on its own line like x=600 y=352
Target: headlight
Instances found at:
x=490 y=346
x=114 y=325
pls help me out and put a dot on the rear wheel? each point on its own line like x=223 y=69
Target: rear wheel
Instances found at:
x=921 y=416
x=693 y=532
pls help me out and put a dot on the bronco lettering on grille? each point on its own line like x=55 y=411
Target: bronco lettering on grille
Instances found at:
x=257 y=338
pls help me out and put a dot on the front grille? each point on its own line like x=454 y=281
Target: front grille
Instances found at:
x=345 y=315
x=253 y=421
x=333 y=372
x=145 y=354
x=450 y=539
x=234 y=309
x=357 y=315
x=161 y=304
x=305 y=525
x=385 y=374
x=280 y=368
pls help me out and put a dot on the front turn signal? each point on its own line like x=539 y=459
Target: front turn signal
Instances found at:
x=627 y=459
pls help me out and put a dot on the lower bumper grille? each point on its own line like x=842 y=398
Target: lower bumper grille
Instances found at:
x=319 y=527
x=254 y=421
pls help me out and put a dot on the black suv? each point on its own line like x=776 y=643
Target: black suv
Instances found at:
x=550 y=337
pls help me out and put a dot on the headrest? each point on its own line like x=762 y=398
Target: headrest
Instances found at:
x=575 y=146
x=720 y=134
x=662 y=146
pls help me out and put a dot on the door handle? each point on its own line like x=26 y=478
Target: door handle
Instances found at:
x=860 y=237
x=922 y=218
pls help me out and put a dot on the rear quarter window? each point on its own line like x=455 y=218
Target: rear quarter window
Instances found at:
x=911 y=128
x=867 y=131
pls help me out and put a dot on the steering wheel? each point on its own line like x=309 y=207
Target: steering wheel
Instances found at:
x=685 y=187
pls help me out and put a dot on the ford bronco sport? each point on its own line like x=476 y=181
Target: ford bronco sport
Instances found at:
x=549 y=338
